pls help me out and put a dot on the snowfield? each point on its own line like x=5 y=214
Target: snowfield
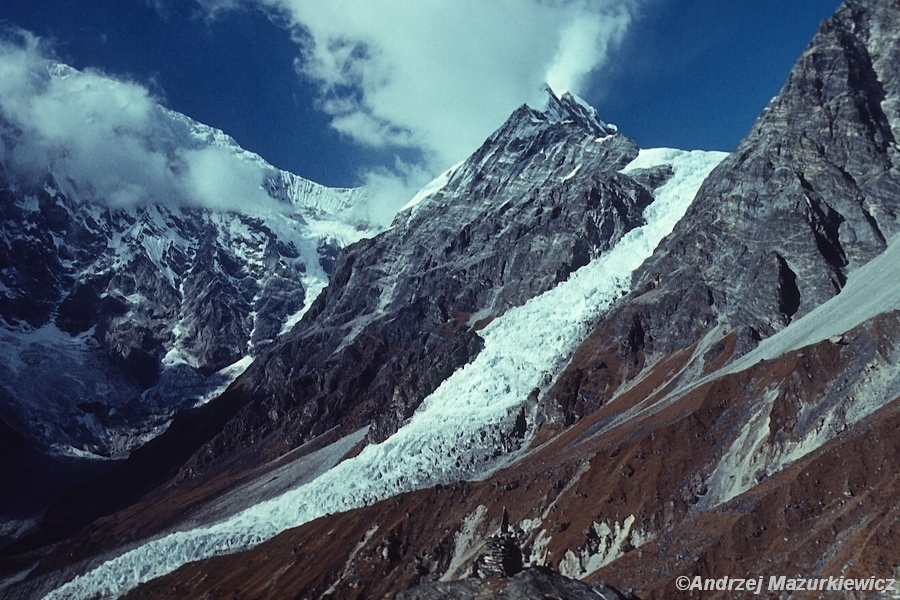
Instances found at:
x=463 y=430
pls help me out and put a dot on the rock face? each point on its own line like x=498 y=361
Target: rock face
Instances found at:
x=114 y=316
x=810 y=194
x=541 y=197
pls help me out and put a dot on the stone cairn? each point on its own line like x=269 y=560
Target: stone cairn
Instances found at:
x=503 y=557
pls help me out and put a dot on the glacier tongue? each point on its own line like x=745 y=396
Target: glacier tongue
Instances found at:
x=461 y=428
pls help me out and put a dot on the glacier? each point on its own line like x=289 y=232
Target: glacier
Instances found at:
x=461 y=431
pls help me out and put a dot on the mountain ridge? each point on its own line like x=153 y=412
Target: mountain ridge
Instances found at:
x=781 y=208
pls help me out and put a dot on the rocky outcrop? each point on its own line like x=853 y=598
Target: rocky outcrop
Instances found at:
x=810 y=194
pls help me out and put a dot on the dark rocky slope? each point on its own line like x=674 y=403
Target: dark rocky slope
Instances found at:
x=113 y=317
x=811 y=193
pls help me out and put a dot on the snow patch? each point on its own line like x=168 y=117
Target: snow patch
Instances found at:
x=314 y=287
x=30 y=204
x=219 y=381
x=430 y=189
x=466 y=543
x=736 y=472
x=572 y=173
x=537 y=557
x=609 y=543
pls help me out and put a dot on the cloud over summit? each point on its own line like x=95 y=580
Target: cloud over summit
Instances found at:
x=420 y=84
x=437 y=77
x=108 y=140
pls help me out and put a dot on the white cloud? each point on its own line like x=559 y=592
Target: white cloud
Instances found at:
x=222 y=181
x=438 y=77
x=386 y=186
x=423 y=79
x=109 y=140
x=592 y=35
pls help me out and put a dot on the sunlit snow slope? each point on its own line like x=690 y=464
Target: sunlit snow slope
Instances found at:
x=463 y=426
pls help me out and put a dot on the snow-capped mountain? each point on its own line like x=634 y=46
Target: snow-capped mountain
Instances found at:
x=407 y=305
x=657 y=363
x=117 y=313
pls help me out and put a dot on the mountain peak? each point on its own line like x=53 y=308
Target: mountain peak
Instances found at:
x=570 y=108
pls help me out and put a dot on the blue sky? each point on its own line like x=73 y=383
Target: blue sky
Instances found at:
x=349 y=91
